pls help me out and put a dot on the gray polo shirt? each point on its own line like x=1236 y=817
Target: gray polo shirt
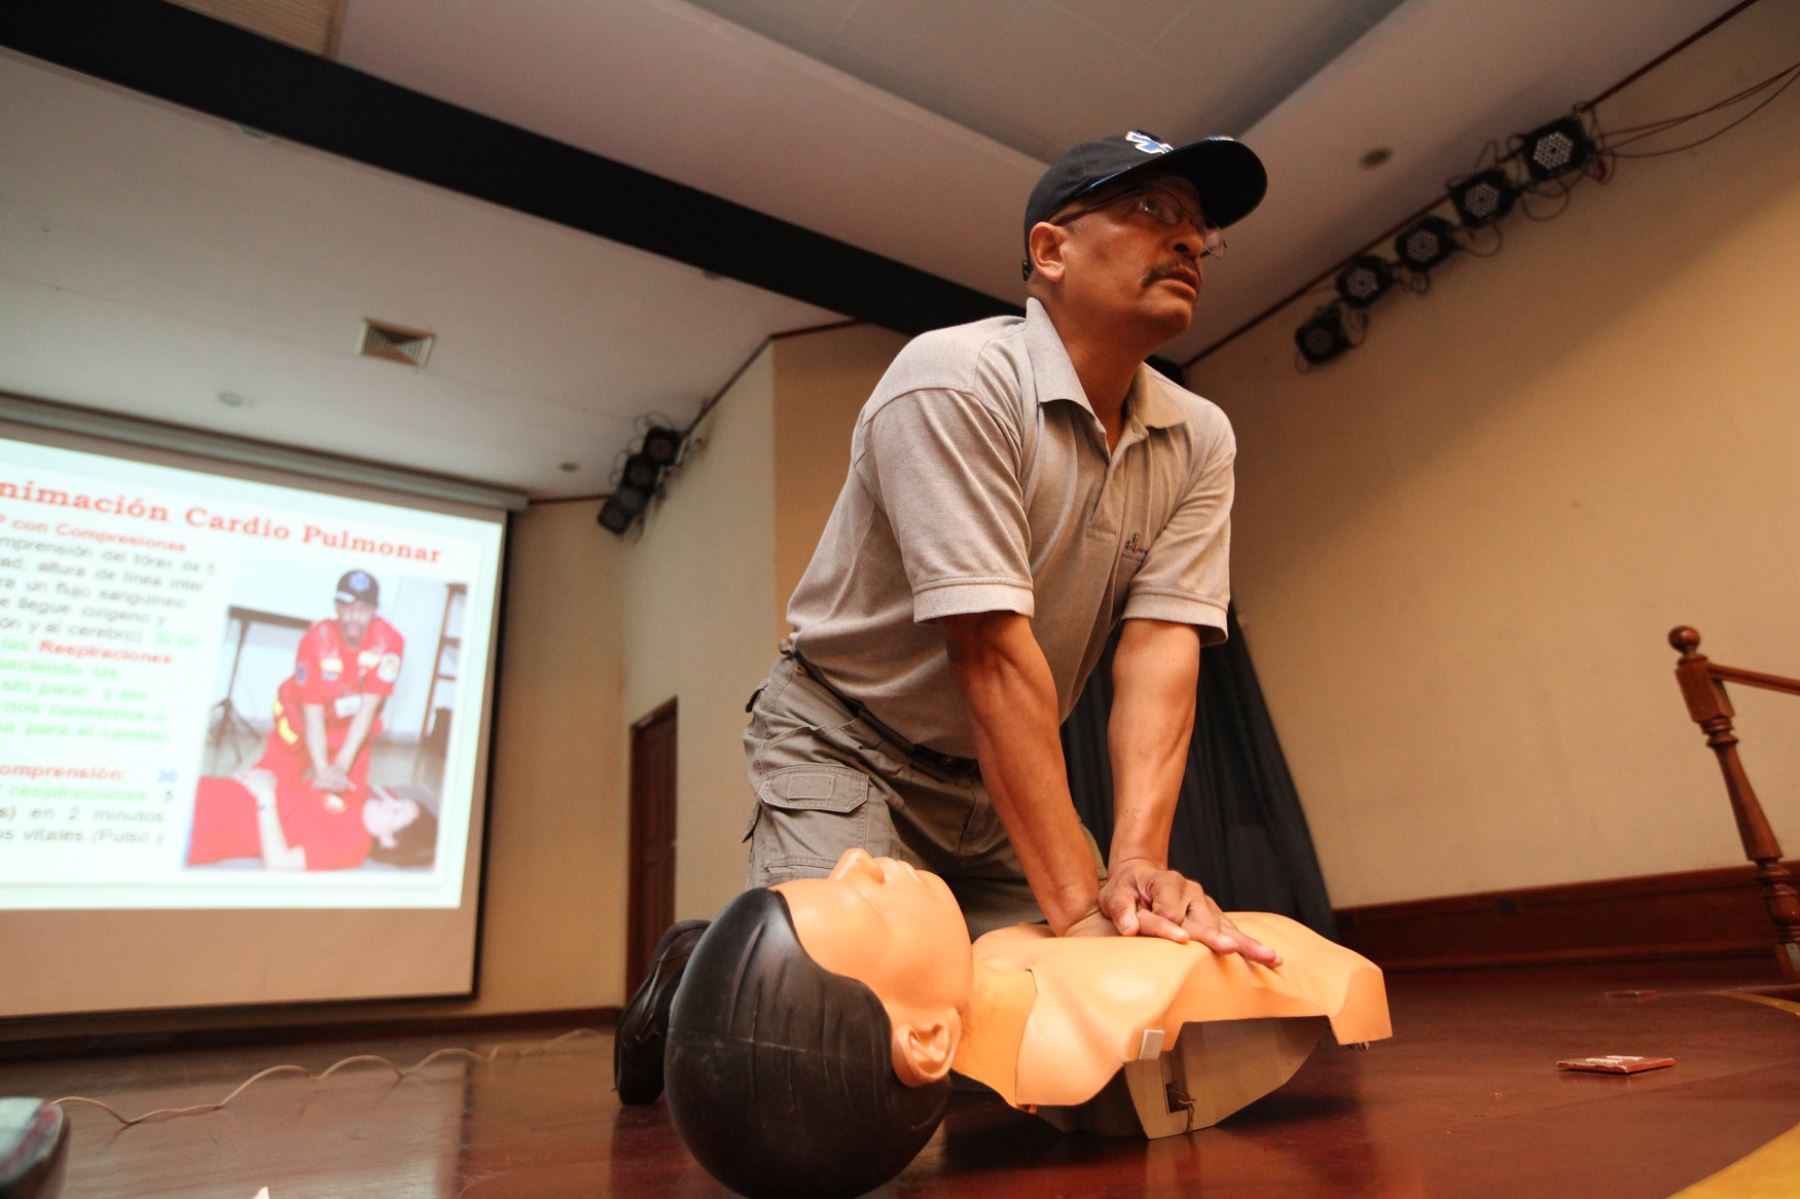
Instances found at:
x=980 y=481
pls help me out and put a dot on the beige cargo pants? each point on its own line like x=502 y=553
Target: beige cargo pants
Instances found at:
x=825 y=782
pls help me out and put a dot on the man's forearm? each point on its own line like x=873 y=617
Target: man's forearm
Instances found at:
x=313 y=727
x=359 y=732
x=1011 y=697
x=1156 y=671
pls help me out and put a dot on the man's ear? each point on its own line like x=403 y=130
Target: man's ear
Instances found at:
x=1045 y=246
x=922 y=1052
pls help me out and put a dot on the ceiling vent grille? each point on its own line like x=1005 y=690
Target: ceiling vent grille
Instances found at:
x=395 y=344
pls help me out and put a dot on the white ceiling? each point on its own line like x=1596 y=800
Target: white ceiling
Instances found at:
x=151 y=257
x=1042 y=75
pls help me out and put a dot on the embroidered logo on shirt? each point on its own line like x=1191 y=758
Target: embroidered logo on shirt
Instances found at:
x=330 y=669
x=1135 y=549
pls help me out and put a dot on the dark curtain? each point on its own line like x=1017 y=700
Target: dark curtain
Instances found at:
x=1239 y=830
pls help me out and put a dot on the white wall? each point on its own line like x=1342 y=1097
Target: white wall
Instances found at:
x=699 y=598
x=1458 y=549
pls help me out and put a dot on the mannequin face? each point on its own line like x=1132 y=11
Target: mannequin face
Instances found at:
x=899 y=932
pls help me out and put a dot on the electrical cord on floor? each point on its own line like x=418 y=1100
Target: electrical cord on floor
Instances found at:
x=521 y=1049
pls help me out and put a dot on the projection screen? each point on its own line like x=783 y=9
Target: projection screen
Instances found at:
x=243 y=731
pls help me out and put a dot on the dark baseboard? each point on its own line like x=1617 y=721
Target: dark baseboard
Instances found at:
x=1715 y=913
x=59 y=1043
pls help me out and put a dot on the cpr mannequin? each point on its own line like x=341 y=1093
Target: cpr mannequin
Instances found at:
x=813 y=1035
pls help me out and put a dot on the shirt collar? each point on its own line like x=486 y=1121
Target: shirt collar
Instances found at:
x=1151 y=402
x=1055 y=376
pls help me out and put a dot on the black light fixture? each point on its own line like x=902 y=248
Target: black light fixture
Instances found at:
x=626 y=504
x=662 y=445
x=1323 y=336
x=640 y=477
x=640 y=472
x=633 y=500
x=1483 y=198
x=1425 y=243
x=615 y=519
x=1365 y=280
x=1555 y=149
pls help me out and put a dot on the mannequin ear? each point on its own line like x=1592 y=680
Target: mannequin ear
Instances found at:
x=1045 y=246
x=922 y=1052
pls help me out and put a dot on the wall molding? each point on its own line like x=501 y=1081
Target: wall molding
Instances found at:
x=151 y=1032
x=1715 y=913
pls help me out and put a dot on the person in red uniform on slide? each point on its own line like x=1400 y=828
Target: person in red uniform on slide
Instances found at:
x=296 y=826
x=328 y=712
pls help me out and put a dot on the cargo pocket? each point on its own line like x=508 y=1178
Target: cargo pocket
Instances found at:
x=805 y=818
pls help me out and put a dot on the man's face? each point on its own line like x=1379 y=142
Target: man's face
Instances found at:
x=1122 y=265
x=353 y=620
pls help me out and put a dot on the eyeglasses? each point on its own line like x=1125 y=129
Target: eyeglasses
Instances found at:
x=1165 y=209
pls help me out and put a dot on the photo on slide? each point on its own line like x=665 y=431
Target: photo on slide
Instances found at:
x=325 y=746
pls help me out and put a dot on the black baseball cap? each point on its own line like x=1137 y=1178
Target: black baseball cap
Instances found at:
x=358 y=587
x=1227 y=173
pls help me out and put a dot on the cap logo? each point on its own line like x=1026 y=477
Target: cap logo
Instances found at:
x=1147 y=144
x=358 y=580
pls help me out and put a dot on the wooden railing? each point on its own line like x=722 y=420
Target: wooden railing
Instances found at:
x=1703 y=687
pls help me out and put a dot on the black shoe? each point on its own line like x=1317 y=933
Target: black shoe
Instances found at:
x=644 y=1024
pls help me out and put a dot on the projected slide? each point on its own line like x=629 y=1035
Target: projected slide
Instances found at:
x=222 y=693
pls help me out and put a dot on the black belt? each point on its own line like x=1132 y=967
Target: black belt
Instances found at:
x=933 y=761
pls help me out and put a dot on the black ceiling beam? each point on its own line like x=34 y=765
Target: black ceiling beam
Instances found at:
x=180 y=56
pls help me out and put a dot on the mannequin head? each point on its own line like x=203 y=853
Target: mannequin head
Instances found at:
x=779 y=1072
x=900 y=933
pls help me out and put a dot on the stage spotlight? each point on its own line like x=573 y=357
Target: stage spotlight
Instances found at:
x=1323 y=337
x=631 y=500
x=640 y=472
x=615 y=519
x=662 y=445
x=1484 y=198
x=1365 y=280
x=1425 y=244
x=1555 y=149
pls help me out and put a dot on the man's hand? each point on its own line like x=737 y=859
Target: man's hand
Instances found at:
x=1141 y=897
x=332 y=778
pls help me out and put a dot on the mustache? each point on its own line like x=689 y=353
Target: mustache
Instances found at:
x=1173 y=268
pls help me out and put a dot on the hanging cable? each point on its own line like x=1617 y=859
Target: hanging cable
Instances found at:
x=1794 y=73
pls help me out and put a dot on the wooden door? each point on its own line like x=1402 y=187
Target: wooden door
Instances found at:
x=652 y=856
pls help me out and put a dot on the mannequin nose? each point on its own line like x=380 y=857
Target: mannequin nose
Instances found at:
x=856 y=863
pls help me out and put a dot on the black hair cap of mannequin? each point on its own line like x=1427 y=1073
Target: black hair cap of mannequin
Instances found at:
x=780 y=1073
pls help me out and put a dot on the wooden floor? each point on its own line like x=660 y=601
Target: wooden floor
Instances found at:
x=1465 y=1102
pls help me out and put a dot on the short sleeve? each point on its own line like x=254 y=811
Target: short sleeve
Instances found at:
x=379 y=679
x=1186 y=576
x=944 y=468
x=309 y=676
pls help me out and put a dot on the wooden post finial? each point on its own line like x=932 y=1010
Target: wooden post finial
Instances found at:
x=1685 y=638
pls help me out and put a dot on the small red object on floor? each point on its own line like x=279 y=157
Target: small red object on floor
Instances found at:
x=1615 y=1063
